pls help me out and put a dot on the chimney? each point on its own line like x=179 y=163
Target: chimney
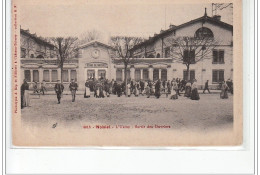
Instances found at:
x=217 y=17
x=172 y=26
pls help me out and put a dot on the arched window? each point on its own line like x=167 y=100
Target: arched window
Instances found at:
x=158 y=55
x=39 y=56
x=150 y=56
x=204 y=32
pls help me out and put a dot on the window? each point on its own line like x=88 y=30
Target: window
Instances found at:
x=32 y=56
x=102 y=74
x=189 y=56
x=27 y=75
x=167 y=52
x=54 y=75
x=36 y=75
x=91 y=74
x=150 y=56
x=204 y=32
x=23 y=53
x=119 y=75
x=128 y=74
x=40 y=56
x=217 y=76
x=158 y=55
x=145 y=74
x=156 y=74
x=164 y=74
x=65 y=76
x=192 y=75
x=46 y=76
x=73 y=75
x=218 y=56
x=137 y=74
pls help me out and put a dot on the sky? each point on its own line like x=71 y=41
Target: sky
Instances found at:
x=138 y=18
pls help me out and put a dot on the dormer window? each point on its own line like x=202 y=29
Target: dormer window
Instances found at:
x=204 y=32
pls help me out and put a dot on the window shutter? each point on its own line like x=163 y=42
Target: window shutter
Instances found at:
x=27 y=75
x=192 y=56
x=46 y=75
x=215 y=56
x=215 y=76
x=221 y=56
x=192 y=74
x=221 y=75
x=73 y=74
x=35 y=75
x=54 y=75
x=119 y=75
x=65 y=76
x=185 y=75
x=185 y=55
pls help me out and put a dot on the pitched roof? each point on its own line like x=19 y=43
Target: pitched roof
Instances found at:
x=146 y=60
x=34 y=36
x=95 y=42
x=173 y=28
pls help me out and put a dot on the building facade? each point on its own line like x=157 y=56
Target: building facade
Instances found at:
x=152 y=58
x=218 y=65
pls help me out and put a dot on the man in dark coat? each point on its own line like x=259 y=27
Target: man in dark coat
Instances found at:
x=25 y=86
x=206 y=86
x=122 y=88
x=58 y=89
x=183 y=84
x=119 y=89
x=157 y=89
x=142 y=87
x=132 y=86
x=163 y=85
x=168 y=88
x=73 y=88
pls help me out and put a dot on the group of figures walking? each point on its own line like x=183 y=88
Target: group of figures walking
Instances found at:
x=226 y=86
x=157 y=88
x=104 y=88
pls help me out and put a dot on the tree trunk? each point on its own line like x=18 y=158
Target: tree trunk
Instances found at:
x=61 y=76
x=188 y=72
x=125 y=79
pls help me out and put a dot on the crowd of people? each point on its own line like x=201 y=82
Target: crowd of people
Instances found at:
x=104 y=88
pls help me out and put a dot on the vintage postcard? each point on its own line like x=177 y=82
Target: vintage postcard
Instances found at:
x=141 y=73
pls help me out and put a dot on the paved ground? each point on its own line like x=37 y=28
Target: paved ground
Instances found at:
x=210 y=112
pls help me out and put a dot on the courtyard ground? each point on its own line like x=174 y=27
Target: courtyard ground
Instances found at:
x=209 y=113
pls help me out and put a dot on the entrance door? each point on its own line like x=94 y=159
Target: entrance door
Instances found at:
x=91 y=74
x=156 y=74
x=101 y=74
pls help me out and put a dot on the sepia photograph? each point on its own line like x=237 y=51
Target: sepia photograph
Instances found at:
x=119 y=73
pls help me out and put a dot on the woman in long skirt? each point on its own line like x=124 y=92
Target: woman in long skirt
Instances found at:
x=25 y=94
x=26 y=100
x=188 y=89
x=224 y=91
x=101 y=91
x=97 y=91
x=148 y=91
x=128 y=92
x=137 y=89
x=87 y=90
x=174 y=89
x=194 y=91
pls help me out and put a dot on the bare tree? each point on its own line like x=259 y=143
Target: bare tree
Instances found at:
x=65 y=48
x=29 y=44
x=123 y=45
x=190 y=50
x=90 y=36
